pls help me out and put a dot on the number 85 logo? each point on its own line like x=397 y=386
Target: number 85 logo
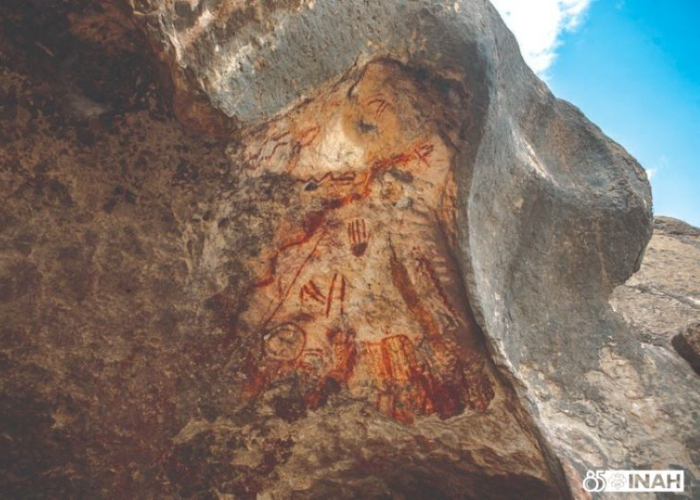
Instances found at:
x=595 y=481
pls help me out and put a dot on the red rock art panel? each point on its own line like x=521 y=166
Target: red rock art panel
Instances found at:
x=360 y=289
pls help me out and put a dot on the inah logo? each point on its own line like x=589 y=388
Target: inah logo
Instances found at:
x=634 y=481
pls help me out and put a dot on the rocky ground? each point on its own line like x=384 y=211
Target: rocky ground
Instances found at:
x=662 y=300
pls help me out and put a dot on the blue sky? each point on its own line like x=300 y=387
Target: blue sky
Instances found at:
x=633 y=67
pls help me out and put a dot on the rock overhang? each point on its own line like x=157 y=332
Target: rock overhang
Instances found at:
x=549 y=215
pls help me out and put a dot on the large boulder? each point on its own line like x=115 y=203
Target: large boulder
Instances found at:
x=298 y=249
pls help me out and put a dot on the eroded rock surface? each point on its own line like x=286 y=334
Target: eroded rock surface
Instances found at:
x=186 y=316
x=313 y=250
x=662 y=300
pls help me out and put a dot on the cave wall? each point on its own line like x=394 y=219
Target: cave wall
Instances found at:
x=309 y=249
x=188 y=314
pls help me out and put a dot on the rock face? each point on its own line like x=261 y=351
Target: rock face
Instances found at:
x=663 y=298
x=662 y=301
x=687 y=344
x=661 y=304
x=287 y=249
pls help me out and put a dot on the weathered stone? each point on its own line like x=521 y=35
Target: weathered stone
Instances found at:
x=662 y=300
x=660 y=304
x=382 y=271
x=687 y=344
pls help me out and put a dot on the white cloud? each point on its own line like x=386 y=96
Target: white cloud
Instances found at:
x=661 y=164
x=538 y=25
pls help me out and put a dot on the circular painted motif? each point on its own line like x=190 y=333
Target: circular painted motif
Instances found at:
x=285 y=341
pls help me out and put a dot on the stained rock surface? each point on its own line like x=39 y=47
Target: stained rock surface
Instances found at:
x=287 y=249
